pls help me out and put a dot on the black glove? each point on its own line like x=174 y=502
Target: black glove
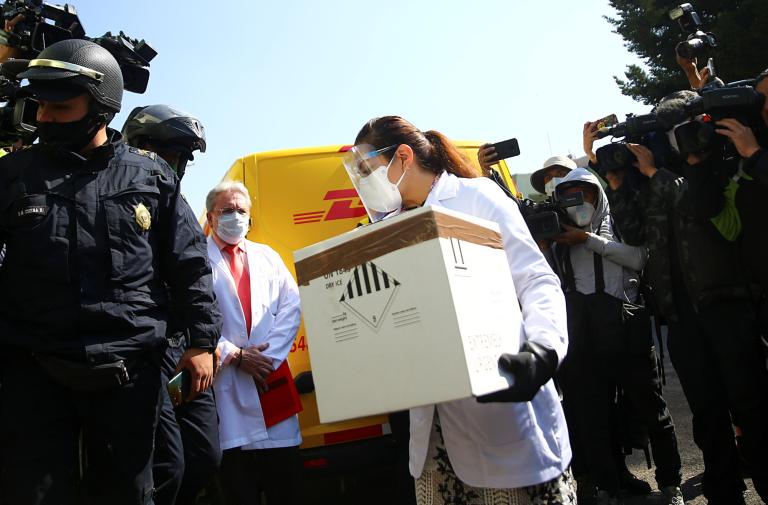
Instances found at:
x=532 y=367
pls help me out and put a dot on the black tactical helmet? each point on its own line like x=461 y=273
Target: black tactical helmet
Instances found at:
x=166 y=126
x=70 y=67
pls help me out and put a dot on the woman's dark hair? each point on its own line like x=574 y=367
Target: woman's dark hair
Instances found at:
x=432 y=149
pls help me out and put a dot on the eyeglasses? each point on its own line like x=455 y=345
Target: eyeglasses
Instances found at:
x=231 y=210
x=378 y=152
x=358 y=161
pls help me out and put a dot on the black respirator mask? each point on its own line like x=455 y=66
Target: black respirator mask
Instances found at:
x=176 y=154
x=74 y=135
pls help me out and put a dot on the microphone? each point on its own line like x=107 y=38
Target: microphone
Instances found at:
x=676 y=108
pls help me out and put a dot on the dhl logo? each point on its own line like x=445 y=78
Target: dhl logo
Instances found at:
x=341 y=208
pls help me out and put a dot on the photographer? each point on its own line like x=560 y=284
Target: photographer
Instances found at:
x=734 y=203
x=624 y=199
x=610 y=345
x=545 y=179
x=698 y=287
x=753 y=148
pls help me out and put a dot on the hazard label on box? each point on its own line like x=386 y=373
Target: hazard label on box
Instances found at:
x=369 y=293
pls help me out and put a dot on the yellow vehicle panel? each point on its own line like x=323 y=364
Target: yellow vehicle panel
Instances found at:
x=300 y=197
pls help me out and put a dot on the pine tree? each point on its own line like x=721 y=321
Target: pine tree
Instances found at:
x=740 y=26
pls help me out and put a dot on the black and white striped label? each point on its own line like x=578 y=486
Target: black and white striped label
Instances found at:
x=366 y=279
x=369 y=292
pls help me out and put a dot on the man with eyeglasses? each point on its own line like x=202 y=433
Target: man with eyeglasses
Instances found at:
x=255 y=394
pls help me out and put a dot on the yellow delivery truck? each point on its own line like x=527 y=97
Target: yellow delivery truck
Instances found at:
x=300 y=197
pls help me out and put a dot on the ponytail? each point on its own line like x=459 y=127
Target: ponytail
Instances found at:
x=445 y=154
x=432 y=149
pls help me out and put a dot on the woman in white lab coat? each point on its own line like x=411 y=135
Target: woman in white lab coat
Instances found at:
x=511 y=446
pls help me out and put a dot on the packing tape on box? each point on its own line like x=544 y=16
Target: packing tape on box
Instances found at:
x=377 y=243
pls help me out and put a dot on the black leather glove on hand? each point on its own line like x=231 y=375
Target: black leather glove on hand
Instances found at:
x=532 y=367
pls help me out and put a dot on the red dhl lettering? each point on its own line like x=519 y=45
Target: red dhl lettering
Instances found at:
x=341 y=208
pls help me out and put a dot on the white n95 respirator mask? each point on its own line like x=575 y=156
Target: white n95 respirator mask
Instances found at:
x=582 y=214
x=378 y=193
x=549 y=187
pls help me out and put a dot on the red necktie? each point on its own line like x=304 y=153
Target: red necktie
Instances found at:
x=242 y=282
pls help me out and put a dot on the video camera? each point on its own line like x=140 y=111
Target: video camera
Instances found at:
x=736 y=100
x=18 y=117
x=132 y=55
x=698 y=42
x=636 y=129
x=698 y=135
x=30 y=33
x=544 y=219
x=36 y=25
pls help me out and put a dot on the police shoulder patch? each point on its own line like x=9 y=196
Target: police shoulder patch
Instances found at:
x=143 y=152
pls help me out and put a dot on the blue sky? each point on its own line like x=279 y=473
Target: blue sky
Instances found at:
x=298 y=73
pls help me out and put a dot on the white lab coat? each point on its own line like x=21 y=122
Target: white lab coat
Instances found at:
x=275 y=316
x=503 y=445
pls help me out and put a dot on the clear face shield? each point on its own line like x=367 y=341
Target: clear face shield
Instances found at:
x=367 y=168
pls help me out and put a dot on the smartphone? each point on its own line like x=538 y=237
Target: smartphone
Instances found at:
x=179 y=387
x=506 y=149
x=607 y=121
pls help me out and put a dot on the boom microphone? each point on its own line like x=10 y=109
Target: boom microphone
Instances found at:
x=675 y=108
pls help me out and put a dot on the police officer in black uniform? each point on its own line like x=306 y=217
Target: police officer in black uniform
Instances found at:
x=172 y=134
x=187 y=450
x=98 y=240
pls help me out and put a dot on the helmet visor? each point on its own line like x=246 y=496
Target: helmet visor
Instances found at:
x=51 y=91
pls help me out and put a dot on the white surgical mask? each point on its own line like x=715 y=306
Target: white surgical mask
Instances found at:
x=233 y=227
x=549 y=187
x=582 y=214
x=378 y=193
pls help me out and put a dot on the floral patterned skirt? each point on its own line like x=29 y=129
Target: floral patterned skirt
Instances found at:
x=438 y=484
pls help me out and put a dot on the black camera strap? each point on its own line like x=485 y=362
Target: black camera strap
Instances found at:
x=599 y=277
x=570 y=278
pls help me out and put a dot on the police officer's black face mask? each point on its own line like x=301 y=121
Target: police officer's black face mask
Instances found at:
x=175 y=155
x=73 y=135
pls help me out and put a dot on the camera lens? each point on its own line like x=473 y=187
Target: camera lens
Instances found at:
x=615 y=157
x=695 y=136
x=691 y=49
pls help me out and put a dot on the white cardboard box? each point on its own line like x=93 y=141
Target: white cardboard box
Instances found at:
x=410 y=311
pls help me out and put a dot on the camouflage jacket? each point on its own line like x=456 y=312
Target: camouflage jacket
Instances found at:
x=627 y=213
x=672 y=231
